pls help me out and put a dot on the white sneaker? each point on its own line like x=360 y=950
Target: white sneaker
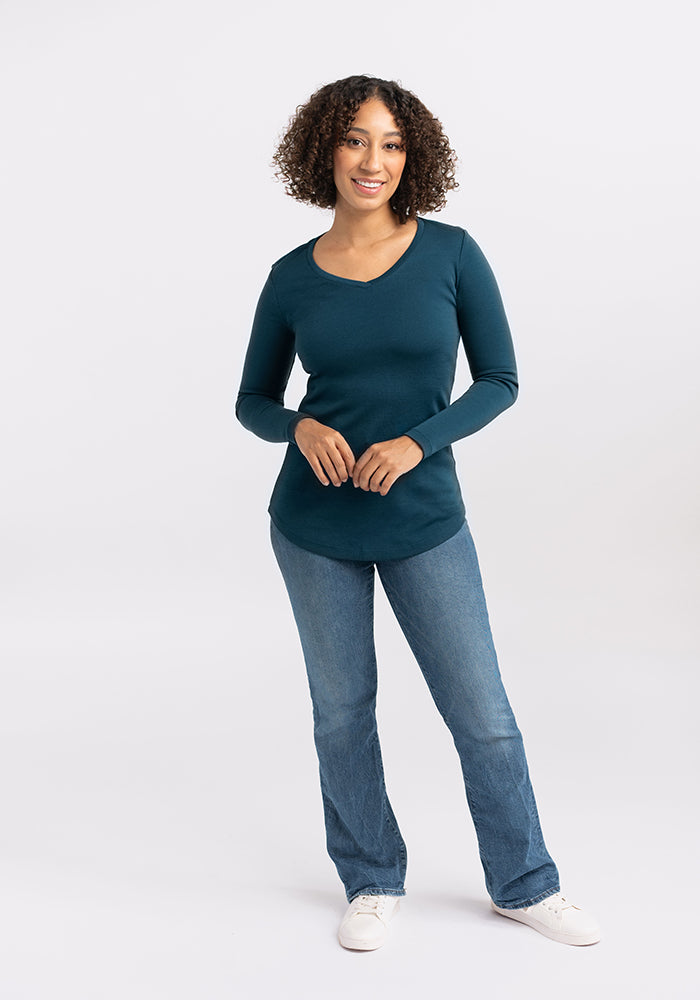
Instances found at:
x=364 y=926
x=556 y=918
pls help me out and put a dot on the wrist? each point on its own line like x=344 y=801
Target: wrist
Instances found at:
x=415 y=443
x=305 y=417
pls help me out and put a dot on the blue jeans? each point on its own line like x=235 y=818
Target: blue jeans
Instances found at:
x=438 y=600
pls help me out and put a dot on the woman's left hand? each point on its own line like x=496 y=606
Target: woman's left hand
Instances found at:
x=378 y=468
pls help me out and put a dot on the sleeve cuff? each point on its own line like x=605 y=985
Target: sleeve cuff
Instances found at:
x=422 y=441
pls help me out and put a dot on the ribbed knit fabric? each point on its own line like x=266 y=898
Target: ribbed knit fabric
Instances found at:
x=381 y=357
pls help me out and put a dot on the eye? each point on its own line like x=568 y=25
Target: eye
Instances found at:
x=352 y=140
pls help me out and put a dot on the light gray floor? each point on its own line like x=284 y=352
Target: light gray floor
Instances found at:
x=162 y=831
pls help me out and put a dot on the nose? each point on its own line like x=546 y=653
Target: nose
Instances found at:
x=372 y=161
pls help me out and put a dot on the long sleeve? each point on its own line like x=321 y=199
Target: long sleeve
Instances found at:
x=485 y=334
x=268 y=363
x=381 y=356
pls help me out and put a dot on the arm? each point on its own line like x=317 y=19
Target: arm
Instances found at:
x=268 y=364
x=260 y=402
x=487 y=342
x=489 y=348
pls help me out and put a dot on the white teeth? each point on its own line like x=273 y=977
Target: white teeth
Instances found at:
x=369 y=184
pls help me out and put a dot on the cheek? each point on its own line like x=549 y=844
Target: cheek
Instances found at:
x=341 y=162
x=399 y=165
x=397 y=172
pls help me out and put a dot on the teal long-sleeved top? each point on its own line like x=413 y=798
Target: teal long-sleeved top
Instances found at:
x=381 y=357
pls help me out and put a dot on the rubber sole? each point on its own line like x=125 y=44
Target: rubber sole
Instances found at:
x=359 y=945
x=524 y=918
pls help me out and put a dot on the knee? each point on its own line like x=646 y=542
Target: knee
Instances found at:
x=483 y=724
x=344 y=719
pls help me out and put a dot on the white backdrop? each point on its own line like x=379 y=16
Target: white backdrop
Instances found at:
x=162 y=834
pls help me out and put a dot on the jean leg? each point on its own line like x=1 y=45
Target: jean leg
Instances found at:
x=333 y=605
x=437 y=597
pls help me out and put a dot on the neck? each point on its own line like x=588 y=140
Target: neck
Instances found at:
x=352 y=227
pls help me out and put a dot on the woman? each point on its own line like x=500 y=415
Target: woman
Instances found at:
x=376 y=309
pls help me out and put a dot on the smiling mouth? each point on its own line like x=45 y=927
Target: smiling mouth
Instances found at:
x=368 y=185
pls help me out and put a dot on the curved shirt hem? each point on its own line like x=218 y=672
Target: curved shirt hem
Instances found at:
x=448 y=529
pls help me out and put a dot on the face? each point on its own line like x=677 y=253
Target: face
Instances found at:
x=367 y=168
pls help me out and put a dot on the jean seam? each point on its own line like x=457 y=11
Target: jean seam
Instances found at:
x=390 y=819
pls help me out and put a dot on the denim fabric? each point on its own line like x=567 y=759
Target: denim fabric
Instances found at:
x=438 y=600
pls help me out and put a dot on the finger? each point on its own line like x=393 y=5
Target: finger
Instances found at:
x=377 y=478
x=369 y=471
x=329 y=468
x=338 y=461
x=318 y=470
x=387 y=483
x=359 y=466
x=348 y=457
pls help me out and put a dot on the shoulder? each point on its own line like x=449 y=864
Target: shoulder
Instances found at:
x=451 y=244
x=448 y=238
x=288 y=273
x=458 y=252
x=457 y=242
x=451 y=249
x=291 y=260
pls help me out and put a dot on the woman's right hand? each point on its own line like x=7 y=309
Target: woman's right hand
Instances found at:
x=326 y=451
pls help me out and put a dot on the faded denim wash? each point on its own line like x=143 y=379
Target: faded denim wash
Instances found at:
x=438 y=600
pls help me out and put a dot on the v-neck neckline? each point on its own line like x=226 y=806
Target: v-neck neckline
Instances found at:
x=373 y=281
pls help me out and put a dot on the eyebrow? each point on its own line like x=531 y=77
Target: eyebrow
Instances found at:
x=365 y=132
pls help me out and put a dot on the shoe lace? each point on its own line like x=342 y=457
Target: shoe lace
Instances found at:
x=368 y=904
x=557 y=902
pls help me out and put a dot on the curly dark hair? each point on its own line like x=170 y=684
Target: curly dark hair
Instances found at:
x=304 y=155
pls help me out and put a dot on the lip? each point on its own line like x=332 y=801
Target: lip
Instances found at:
x=368 y=191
